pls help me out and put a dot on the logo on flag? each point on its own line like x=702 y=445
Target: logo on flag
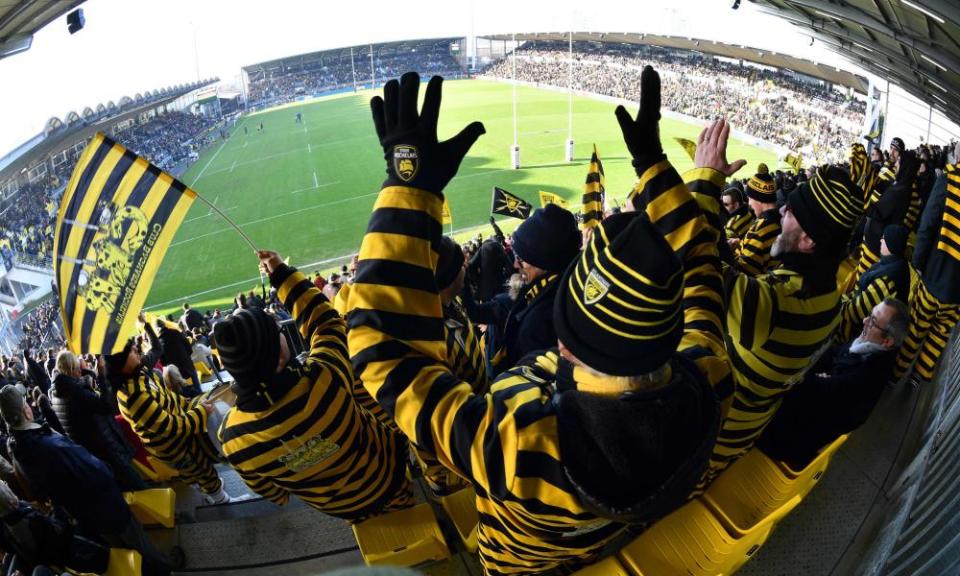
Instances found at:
x=117 y=218
x=507 y=204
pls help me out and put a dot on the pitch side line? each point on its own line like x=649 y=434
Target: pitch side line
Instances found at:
x=214 y=157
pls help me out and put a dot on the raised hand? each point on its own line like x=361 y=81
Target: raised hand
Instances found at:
x=414 y=156
x=269 y=261
x=712 y=149
x=642 y=135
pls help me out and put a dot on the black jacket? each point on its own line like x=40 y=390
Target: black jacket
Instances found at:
x=176 y=350
x=529 y=326
x=819 y=409
x=87 y=419
x=941 y=272
x=192 y=319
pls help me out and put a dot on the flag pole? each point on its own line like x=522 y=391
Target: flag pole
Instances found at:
x=229 y=221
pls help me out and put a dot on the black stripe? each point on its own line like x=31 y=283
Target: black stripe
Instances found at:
x=751 y=299
x=425 y=415
x=382 y=351
x=394 y=273
x=400 y=378
x=83 y=184
x=397 y=325
x=404 y=222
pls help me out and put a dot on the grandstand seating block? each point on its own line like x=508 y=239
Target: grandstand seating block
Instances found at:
x=461 y=508
x=408 y=537
x=692 y=541
x=153 y=506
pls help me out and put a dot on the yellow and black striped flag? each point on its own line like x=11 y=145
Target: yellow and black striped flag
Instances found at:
x=116 y=219
x=689 y=146
x=551 y=198
x=507 y=204
x=594 y=193
x=447 y=216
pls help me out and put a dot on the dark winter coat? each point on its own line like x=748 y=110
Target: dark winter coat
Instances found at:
x=820 y=409
x=62 y=470
x=176 y=350
x=88 y=420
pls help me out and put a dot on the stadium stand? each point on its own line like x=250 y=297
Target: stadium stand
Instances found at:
x=719 y=530
x=331 y=71
x=795 y=112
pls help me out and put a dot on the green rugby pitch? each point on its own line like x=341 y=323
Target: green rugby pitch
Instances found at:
x=306 y=190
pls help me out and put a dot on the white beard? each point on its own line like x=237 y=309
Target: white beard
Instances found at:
x=861 y=346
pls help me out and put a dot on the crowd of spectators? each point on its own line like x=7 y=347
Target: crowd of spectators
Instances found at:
x=336 y=71
x=26 y=223
x=776 y=106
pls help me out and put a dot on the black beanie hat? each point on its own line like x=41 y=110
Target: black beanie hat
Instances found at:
x=828 y=206
x=449 y=262
x=896 y=236
x=897 y=144
x=548 y=239
x=762 y=188
x=619 y=306
x=249 y=346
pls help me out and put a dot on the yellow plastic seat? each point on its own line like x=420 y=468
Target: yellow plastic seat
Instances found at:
x=408 y=537
x=124 y=562
x=609 y=566
x=691 y=541
x=158 y=471
x=755 y=486
x=819 y=465
x=461 y=509
x=153 y=506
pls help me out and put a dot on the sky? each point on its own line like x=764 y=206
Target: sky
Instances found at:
x=130 y=46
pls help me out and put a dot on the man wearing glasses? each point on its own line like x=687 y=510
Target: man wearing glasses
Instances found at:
x=839 y=392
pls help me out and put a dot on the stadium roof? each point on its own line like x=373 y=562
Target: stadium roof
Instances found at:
x=766 y=57
x=361 y=49
x=64 y=133
x=913 y=43
x=19 y=19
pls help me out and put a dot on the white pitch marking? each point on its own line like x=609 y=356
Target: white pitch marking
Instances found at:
x=317 y=187
x=308 y=147
x=315 y=183
x=234 y=165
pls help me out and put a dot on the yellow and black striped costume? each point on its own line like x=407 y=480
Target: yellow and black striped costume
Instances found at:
x=739 y=222
x=774 y=330
x=859 y=304
x=936 y=305
x=314 y=441
x=464 y=348
x=506 y=441
x=172 y=428
x=753 y=255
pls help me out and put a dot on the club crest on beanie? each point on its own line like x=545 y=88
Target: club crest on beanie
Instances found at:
x=619 y=306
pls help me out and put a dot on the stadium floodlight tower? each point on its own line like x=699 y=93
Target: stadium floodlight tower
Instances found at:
x=515 y=148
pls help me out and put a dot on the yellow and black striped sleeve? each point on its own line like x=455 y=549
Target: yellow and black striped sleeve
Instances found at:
x=318 y=323
x=690 y=223
x=151 y=419
x=859 y=304
x=397 y=338
x=264 y=486
x=753 y=255
x=738 y=224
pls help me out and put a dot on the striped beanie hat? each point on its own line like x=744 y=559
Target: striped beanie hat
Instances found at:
x=762 y=188
x=249 y=346
x=619 y=307
x=828 y=206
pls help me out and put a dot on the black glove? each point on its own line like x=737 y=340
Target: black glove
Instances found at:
x=414 y=157
x=642 y=135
